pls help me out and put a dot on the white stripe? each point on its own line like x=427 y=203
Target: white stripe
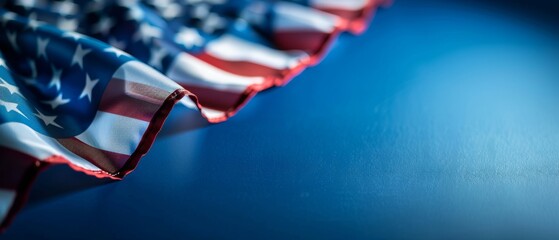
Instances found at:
x=190 y=70
x=209 y=113
x=7 y=198
x=290 y=16
x=22 y=138
x=339 y=4
x=114 y=133
x=232 y=48
x=212 y=114
x=138 y=72
x=186 y=101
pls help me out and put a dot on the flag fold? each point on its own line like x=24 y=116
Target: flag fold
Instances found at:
x=90 y=83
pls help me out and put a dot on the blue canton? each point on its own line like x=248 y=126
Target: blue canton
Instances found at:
x=52 y=80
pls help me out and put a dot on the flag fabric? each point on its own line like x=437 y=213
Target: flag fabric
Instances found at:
x=90 y=83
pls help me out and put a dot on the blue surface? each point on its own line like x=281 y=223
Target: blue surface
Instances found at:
x=440 y=121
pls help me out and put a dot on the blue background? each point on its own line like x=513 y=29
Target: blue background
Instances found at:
x=441 y=121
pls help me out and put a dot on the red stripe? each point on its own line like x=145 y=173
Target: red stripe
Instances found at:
x=132 y=99
x=310 y=42
x=243 y=68
x=316 y=44
x=110 y=162
x=271 y=76
x=216 y=99
x=344 y=13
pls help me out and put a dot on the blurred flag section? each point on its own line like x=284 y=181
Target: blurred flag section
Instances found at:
x=89 y=83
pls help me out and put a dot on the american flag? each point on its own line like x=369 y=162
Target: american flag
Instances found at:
x=90 y=83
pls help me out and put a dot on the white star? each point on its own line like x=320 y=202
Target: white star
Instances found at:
x=212 y=23
x=88 y=88
x=189 y=37
x=79 y=54
x=8 y=16
x=67 y=24
x=135 y=13
x=55 y=80
x=161 y=3
x=42 y=47
x=76 y=36
x=59 y=100
x=104 y=25
x=146 y=32
x=127 y=3
x=32 y=16
x=157 y=55
x=116 y=43
x=171 y=10
x=12 y=39
x=200 y=10
x=11 y=88
x=32 y=22
x=116 y=51
x=95 y=5
x=31 y=80
x=26 y=3
x=65 y=7
x=10 y=106
x=47 y=120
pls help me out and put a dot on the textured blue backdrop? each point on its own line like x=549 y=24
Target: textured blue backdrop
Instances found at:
x=440 y=121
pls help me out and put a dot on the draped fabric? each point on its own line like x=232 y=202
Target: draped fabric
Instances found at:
x=90 y=83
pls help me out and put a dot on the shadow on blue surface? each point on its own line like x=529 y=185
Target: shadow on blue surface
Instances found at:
x=60 y=180
x=183 y=121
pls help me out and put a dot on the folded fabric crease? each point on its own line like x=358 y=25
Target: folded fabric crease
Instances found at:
x=90 y=83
